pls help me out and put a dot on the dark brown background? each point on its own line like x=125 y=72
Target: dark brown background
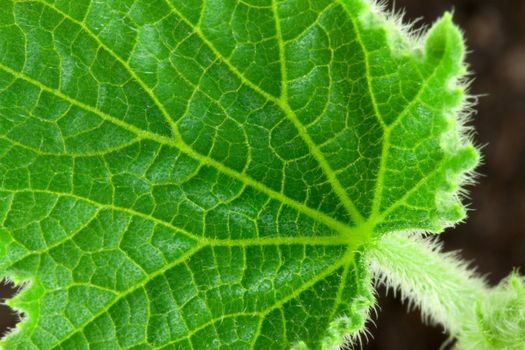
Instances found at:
x=494 y=234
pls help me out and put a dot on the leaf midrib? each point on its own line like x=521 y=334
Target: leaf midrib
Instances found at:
x=376 y=216
x=281 y=102
x=332 y=240
x=342 y=228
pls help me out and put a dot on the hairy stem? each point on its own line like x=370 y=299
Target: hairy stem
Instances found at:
x=449 y=293
x=438 y=283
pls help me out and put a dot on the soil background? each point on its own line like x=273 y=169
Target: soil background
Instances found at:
x=493 y=237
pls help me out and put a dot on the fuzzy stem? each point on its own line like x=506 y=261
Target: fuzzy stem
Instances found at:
x=449 y=293
x=438 y=283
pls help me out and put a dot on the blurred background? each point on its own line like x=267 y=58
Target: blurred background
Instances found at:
x=494 y=235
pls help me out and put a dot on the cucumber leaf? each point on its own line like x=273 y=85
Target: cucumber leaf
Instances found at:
x=207 y=174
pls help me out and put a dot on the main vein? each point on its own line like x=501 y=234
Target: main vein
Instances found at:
x=281 y=102
x=178 y=144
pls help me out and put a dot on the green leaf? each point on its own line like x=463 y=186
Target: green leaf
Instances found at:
x=184 y=174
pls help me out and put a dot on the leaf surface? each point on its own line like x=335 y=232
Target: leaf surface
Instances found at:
x=185 y=174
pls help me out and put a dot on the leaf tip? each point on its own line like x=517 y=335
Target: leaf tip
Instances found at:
x=444 y=41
